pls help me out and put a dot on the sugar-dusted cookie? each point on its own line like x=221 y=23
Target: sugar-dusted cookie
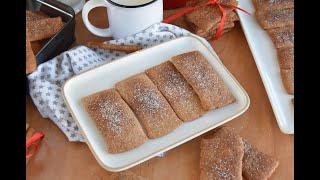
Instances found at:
x=275 y=18
x=199 y=73
x=221 y=156
x=115 y=121
x=282 y=37
x=256 y=164
x=176 y=90
x=35 y=15
x=31 y=63
x=261 y=5
x=43 y=28
x=287 y=76
x=207 y=17
x=286 y=57
x=230 y=18
x=151 y=108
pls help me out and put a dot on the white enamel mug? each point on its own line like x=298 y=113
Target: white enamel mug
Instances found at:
x=126 y=17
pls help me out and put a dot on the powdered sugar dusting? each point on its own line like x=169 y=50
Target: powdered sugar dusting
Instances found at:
x=286 y=57
x=199 y=74
x=175 y=86
x=283 y=36
x=257 y=165
x=221 y=156
x=222 y=168
x=279 y=15
x=147 y=98
x=113 y=115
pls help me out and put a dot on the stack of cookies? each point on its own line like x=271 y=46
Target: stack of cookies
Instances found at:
x=228 y=156
x=277 y=17
x=205 y=20
x=39 y=27
x=153 y=103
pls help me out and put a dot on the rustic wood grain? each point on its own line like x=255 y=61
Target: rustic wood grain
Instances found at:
x=60 y=159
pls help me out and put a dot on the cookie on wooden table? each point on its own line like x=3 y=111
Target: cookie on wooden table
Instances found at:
x=176 y=90
x=150 y=106
x=257 y=165
x=199 y=73
x=282 y=37
x=287 y=76
x=115 y=120
x=43 y=28
x=31 y=63
x=275 y=18
x=35 y=15
x=221 y=156
x=286 y=57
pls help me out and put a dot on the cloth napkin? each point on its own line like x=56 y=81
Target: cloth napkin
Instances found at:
x=46 y=81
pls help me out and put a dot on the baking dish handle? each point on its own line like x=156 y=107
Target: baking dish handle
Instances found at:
x=85 y=12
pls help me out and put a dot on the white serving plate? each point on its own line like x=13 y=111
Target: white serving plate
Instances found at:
x=265 y=56
x=107 y=75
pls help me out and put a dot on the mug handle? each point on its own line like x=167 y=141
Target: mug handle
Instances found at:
x=85 y=12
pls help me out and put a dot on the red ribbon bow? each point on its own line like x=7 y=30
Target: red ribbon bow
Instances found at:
x=32 y=141
x=209 y=2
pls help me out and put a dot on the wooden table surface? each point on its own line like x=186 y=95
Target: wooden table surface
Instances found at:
x=59 y=159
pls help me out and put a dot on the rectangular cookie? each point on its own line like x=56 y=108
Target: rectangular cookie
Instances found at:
x=43 y=28
x=35 y=15
x=176 y=90
x=31 y=63
x=287 y=76
x=221 y=156
x=282 y=37
x=115 y=120
x=198 y=72
x=228 y=24
x=152 y=109
x=275 y=18
x=206 y=17
x=286 y=57
x=261 y=5
x=257 y=165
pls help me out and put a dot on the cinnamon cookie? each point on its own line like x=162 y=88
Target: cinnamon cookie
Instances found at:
x=115 y=121
x=152 y=109
x=199 y=73
x=176 y=90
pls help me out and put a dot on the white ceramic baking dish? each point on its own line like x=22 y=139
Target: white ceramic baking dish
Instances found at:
x=107 y=75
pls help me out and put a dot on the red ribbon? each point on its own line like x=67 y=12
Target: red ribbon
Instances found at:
x=210 y=2
x=38 y=136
